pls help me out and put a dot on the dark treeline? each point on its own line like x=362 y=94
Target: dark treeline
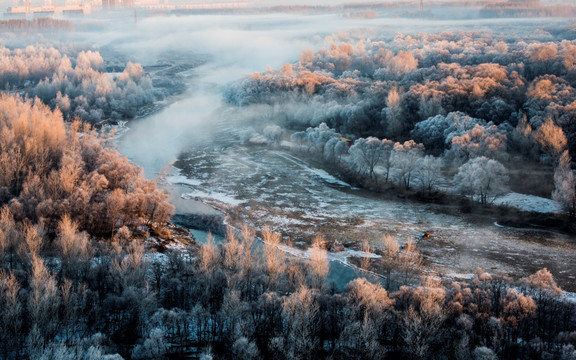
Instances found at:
x=228 y=302
x=457 y=98
x=35 y=25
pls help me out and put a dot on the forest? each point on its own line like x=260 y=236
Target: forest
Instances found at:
x=91 y=266
x=81 y=279
x=472 y=107
x=77 y=82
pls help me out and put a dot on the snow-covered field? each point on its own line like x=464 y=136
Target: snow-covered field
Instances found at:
x=529 y=203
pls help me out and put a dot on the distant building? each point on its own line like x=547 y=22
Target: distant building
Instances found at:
x=16 y=12
x=44 y=13
x=73 y=12
x=50 y=8
x=27 y=11
x=116 y=4
x=187 y=5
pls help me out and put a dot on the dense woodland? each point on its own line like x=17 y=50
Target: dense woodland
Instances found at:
x=84 y=273
x=472 y=104
x=76 y=82
x=80 y=278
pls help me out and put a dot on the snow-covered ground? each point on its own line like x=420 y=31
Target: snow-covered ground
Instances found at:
x=182 y=180
x=569 y=296
x=321 y=174
x=212 y=195
x=527 y=202
x=341 y=256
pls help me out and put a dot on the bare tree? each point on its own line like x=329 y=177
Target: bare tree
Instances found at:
x=300 y=311
x=429 y=172
x=565 y=184
x=274 y=260
x=390 y=257
x=406 y=162
x=318 y=263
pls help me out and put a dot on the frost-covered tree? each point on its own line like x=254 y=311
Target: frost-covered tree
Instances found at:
x=484 y=353
x=365 y=154
x=11 y=319
x=479 y=141
x=486 y=178
x=422 y=325
x=335 y=149
x=245 y=349
x=43 y=303
x=541 y=284
x=317 y=137
x=522 y=138
x=83 y=89
x=429 y=172
x=370 y=307
x=273 y=133
x=52 y=170
x=390 y=258
x=436 y=133
x=318 y=265
x=430 y=106
x=387 y=161
x=154 y=346
x=274 y=260
x=406 y=160
x=551 y=138
x=393 y=114
x=300 y=312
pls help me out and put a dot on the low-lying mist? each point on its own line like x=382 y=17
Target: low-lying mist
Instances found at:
x=209 y=52
x=236 y=46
